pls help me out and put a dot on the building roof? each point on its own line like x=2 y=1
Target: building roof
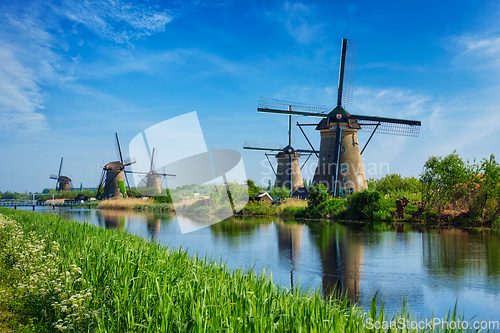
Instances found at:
x=114 y=166
x=64 y=179
x=286 y=151
x=353 y=123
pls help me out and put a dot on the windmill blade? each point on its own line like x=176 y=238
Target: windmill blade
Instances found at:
x=151 y=168
x=262 y=146
x=146 y=173
x=119 y=148
x=284 y=107
x=129 y=161
x=128 y=184
x=351 y=51
x=60 y=169
x=52 y=176
x=295 y=113
x=166 y=174
x=305 y=151
x=392 y=126
x=138 y=172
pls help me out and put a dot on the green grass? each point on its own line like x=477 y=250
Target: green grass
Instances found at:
x=68 y=276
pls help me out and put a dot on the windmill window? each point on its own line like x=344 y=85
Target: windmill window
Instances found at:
x=345 y=191
x=343 y=167
x=342 y=149
x=344 y=180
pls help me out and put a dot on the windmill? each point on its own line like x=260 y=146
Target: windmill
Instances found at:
x=63 y=183
x=112 y=182
x=151 y=179
x=288 y=172
x=340 y=167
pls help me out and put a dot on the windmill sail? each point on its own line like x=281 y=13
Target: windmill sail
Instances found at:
x=276 y=105
x=349 y=69
x=393 y=126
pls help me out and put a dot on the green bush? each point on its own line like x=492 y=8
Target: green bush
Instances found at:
x=363 y=204
x=496 y=221
x=294 y=211
x=331 y=208
x=317 y=195
x=382 y=215
x=163 y=199
x=410 y=209
x=257 y=209
x=393 y=183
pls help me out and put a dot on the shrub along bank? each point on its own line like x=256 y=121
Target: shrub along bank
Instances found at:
x=363 y=205
x=449 y=191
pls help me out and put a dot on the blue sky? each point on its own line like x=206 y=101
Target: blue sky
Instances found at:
x=74 y=72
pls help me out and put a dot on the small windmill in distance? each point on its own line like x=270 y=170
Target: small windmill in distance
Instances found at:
x=113 y=174
x=151 y=179
x=288 y=172
x=340 y=167
x=63 y=183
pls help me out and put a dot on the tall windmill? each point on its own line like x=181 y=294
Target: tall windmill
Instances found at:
x=340 y=167
x=63 y=183
x=112 y=182
x=151 y=179
x=288 y=171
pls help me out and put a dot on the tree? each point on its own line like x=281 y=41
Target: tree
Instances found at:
x=10 y=195
x=394 y=183
x=317 y=195
x=445 y=181
x=280 y=192
x=253 y=189
x=487 y=177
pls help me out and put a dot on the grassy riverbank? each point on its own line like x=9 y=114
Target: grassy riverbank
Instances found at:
x=136 y=204
x=62 y=275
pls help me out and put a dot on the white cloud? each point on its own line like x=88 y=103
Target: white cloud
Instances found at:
x=296 y=23
x=20 y=96
x=478 y=52
x=118 y=21
x=33 y=50
x=297 y=17
x=389 y=102
x=173 y=63
x=478 y=49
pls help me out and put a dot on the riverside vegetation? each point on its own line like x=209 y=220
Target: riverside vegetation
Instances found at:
x=59 y=275
x=449 y=191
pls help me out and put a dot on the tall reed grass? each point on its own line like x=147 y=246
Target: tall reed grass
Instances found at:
x=289 y=208
x=135 y=204
x=80 y=278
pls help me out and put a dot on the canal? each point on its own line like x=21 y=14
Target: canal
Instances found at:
x=432 y=268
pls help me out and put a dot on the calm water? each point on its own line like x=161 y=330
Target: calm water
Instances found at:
x=432 y=268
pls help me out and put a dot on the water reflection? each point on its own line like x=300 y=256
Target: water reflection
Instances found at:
x=462 y=255
x=153 y=224
x=341 y=250
x=112 y=220
x=289 y=241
